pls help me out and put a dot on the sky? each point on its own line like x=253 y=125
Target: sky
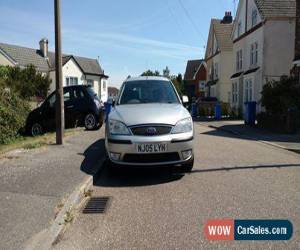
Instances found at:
x=127 y=36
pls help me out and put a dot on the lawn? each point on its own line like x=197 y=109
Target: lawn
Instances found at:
x=28 y=142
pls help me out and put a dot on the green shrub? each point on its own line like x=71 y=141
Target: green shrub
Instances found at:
x=13 y=113
x=281 y=96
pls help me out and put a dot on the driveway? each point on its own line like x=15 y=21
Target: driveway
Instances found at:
x=162 y=209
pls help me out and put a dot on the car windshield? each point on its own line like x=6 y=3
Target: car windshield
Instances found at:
x=137 y=92
x=91 y=92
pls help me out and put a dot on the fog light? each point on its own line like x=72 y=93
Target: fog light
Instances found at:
x=115 y=156
x=187 y=154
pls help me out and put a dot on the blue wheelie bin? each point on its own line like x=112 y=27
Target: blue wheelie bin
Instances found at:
x=218 y=112
x=107 y=107
x=194 y=110
x=250 y=113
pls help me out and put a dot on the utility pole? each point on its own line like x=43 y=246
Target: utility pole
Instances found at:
x=60 y=116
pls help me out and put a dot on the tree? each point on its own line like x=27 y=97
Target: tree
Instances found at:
x=27 y=83
x=166 y=72
x=178 y=83
x=150 y=73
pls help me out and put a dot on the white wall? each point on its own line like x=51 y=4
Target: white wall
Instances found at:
x=4 y=61
x=279 y=38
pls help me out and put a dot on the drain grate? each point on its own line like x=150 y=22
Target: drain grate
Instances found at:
x=96 y=205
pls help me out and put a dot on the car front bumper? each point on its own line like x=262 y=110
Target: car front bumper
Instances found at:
x=126 y=149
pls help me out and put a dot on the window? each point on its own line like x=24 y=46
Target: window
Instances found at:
x=138 y=92
x=254 y=54
x=248 y=90
x=239 y=29
x=254 y=17
x=239 y=60
x=202 y=85
x=216 y=73
x=71 y=81
x=90 y=82
x=78 y=93
x=67 y=96
x=234 y=92
x=104 y=85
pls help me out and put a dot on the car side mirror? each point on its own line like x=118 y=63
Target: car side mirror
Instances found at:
x=185 y=99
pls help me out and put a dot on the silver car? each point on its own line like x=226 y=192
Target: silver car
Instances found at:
x=149 y=126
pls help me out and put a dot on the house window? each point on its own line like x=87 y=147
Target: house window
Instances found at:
x=90 y=83
x=202 y=85
x=254 y=17
x=239 y=60
x=71 y=81
x=234 y=92
x=248 y=90
x=104 y=85
x=216 y=73
x=239 y=29
x=254 y=54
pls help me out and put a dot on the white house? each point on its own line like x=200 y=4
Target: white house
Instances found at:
x=76 y=70
x=218 y=57
x=263 y=47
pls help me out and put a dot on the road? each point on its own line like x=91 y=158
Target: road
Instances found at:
x=161 y=209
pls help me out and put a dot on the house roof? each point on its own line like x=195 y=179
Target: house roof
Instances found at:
x=24 y=56
x=223 y=34
x=276 y=8
x=191 y=68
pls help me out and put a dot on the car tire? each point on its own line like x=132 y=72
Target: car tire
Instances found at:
x=187 y=167
x=36 y=129
x=90 y=122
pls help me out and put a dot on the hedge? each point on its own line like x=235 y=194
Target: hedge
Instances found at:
x=13 y=114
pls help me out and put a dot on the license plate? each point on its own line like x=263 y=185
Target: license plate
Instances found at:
x=151 y=148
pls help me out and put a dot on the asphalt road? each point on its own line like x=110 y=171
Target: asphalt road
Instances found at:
x=162 y=209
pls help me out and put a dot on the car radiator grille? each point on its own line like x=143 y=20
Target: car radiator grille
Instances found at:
x=151 y=158
x=146 y=130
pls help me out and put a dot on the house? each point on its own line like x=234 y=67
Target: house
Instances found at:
x=218 y=57
x=195 y=78
x=113 y=92
x=296 y=64
x=263 y=47
x=76 y=69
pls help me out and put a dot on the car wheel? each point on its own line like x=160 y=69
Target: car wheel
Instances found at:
x=36 y=129
x=90 y=122
x=187 y=167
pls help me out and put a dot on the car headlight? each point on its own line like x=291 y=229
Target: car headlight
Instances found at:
x=117 y=128
x=183 y=126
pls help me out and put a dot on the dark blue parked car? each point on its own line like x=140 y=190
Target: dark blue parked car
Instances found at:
x=82 y=108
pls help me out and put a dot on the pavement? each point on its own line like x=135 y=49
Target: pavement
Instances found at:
x=285 y=141
x=34 y=182
x=233 y=177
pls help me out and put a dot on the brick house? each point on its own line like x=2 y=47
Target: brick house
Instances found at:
x=195 y=78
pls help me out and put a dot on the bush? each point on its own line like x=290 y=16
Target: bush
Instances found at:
x=27 y=83
x=13 y=113
x=281 y=96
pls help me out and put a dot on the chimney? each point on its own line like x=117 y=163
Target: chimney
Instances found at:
x=44 y=47
x=227 y=18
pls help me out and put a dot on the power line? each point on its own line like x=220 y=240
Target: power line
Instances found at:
x=191 y=20
x=174 y=17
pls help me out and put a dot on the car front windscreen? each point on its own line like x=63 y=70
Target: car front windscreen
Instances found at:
x=138 y=92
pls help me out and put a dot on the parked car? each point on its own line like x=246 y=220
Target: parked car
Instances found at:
x=82 y=108
x=149 y=126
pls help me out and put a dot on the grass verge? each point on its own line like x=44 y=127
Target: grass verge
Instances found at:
x=28 y=142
